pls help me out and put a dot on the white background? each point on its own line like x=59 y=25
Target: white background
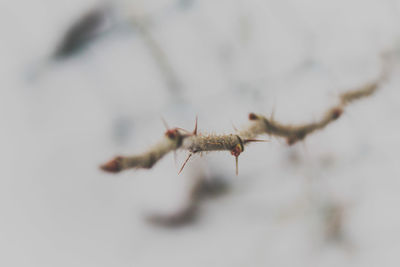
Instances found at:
x=231 y=57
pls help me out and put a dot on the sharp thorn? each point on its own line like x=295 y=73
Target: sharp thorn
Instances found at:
x=183 y=166
x=234 y=127
x=195 y=126
x=237 y=166
x=273 y=110
x=165 y=123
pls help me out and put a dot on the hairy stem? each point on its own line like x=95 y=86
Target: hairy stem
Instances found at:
x=177 y=138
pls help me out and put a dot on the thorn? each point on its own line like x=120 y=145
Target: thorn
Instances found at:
x=183 y=166
x=236 y=152
x=237 y=165
x=165 y=123
x=234 y=127
x=195 y=126
x=273 y=112
x=171 y=133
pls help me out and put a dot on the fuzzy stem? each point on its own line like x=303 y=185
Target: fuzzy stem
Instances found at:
x=194 y=143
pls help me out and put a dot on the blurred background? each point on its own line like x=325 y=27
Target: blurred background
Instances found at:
x=84 y=80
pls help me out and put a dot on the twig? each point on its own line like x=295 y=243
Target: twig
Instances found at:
x=178 y=138
x=202 y=189
x=94 y=22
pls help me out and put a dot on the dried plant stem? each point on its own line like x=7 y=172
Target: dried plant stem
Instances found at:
x=178 y=138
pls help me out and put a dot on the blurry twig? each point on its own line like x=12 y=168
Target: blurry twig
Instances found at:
x=83 y=31
x=160 y=57
x=98 y=21
x=202 y=188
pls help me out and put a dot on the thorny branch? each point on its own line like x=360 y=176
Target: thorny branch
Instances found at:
x=194 y=142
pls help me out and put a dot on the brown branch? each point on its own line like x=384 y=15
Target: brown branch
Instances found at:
x=203 y=188
x=178 y=138
x=146 y=160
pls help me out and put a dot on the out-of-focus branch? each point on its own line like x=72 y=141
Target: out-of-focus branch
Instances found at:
x=159 y=56
x=196 y=143
x=89 y=26
x=203 y=188
x=102 y=19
